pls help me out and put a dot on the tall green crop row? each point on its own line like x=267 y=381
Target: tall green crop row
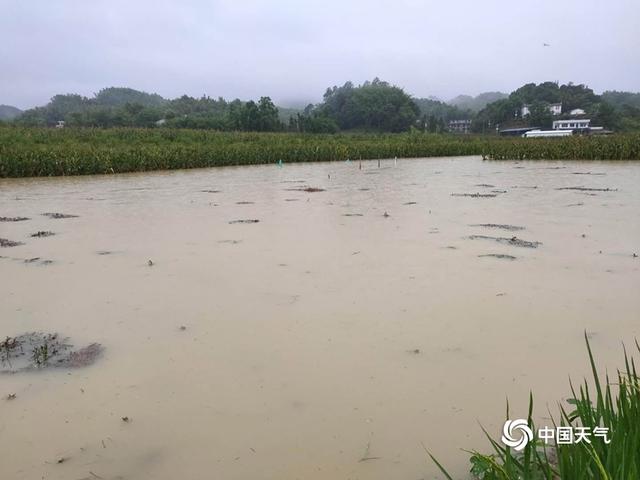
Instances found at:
x=28 y=152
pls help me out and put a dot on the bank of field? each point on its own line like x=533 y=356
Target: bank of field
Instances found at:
x=29 y=152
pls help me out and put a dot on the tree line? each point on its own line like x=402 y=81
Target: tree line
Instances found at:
x=374 y=106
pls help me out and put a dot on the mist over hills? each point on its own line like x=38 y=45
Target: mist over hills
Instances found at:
x=477 y=103
x=7 y=112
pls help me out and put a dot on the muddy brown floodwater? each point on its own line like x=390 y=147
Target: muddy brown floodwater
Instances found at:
x=246 y=335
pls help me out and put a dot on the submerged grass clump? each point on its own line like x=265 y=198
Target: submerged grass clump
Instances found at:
x=26 y=152
x=613 y=405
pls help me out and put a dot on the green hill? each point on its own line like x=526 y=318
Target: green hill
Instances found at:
x=7 y=112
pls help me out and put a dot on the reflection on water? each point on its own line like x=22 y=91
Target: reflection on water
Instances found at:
x=327 y=339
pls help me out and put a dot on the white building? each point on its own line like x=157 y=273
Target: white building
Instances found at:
x=572 y=124
x=577 y=111
x=547 y=133
x=554 y=108
x=460 y=126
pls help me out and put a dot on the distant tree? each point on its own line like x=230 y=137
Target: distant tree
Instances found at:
x=374 y=105
x=115 y=96
x=540 y=115
x=606 y=115
x=268 y=120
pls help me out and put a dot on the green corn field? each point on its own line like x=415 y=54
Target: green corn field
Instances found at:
x=31 y=152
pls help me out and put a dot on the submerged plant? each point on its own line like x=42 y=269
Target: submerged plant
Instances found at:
x=40 y=354
x=614 y=407
x=7 y=346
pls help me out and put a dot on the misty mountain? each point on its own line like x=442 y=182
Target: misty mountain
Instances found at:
x=475 y=104
x=430 y=107
x=7 y=112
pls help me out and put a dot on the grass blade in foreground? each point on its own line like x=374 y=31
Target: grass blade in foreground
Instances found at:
x=612 y=451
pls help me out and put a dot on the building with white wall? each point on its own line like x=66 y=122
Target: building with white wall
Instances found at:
x=554 y=108
x=460 y=126
x=572 y=124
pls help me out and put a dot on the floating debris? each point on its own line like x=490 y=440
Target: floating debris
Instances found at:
x=41 y=234
x=501 y=256
x=575 y=205
x=588 y=189
x=58 y=216
x=245 y=203
x=307 y=189
x=38 y=350
x=291 y=199
x=9 y=243
x=525 y=186
x=498 y=191
x=475 y=195
x=104 y=252
x=410 y=203
x=352 y=215
x=515 y=241
x=13 y=219
x=486 y=185
x=150 y=263
x=385 y=214
x=232 y=242
x=501 y=226
x=37 y=260
x=210 y=191
x=244 y=221
x=588 y=173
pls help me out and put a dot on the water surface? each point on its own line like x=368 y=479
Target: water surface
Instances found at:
x=322 y=335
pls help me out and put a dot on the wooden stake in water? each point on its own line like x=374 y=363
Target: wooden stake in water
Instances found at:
x=395 y=162
x=378 y=163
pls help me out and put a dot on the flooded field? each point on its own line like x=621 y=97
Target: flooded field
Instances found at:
x=312 y=321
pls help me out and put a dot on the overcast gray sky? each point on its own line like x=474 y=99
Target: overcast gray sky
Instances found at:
x=292 y=50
